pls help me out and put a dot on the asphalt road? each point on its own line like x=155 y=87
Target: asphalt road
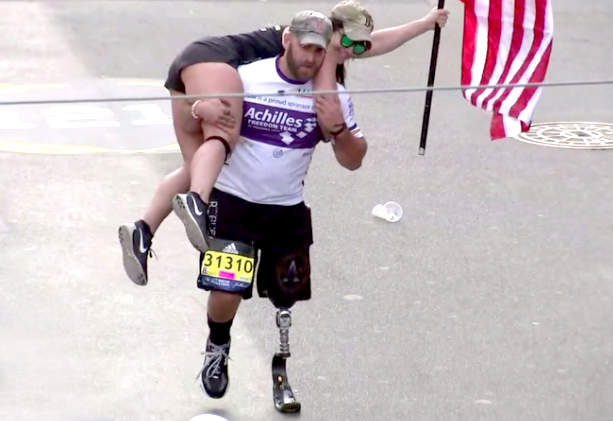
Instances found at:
x=490 y=300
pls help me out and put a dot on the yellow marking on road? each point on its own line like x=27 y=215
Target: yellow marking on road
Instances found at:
x=171 y=147
x=43 y=149
x=154 y=84
x=20 y=88
x=38 y=148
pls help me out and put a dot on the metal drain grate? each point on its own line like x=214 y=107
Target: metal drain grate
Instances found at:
x=572 y=135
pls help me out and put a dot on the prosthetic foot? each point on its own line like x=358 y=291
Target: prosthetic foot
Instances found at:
x=283 y=395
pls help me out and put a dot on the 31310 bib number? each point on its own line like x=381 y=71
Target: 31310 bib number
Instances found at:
x=227 y=266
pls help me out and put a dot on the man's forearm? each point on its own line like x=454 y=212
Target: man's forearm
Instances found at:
x=389 y=39
x=350 y=150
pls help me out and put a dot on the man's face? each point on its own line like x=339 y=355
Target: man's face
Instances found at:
x=304 y=61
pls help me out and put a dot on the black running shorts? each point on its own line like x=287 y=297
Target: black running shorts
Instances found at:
x=234 y=50
x=273 y=230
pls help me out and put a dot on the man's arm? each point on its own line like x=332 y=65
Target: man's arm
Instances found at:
x=349 y=149
x=348 y=142
x=389 y=39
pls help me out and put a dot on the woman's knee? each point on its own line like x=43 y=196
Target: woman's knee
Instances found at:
x=189 y=144
x=182 y=174
x=177 y=181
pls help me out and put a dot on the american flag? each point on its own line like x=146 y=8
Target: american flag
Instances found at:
x=506 y=42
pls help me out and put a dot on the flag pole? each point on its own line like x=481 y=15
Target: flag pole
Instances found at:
x=433 y=59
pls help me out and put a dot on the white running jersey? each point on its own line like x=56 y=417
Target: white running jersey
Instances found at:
x=278 y=137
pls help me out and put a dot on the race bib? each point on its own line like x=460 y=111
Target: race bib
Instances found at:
x=227 y=266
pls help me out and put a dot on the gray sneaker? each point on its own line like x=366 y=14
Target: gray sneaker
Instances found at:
x=135 y=239
x=214 y=374
x=192 y=211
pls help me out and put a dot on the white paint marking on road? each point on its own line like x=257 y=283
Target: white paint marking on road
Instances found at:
x=8 y=121
x=152 y=112
x=67 y=117
x=353 y=297
x=483 y=401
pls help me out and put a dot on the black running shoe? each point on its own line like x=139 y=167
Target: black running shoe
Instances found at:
x=135 y=240
x=214 y=377
x=191 y=210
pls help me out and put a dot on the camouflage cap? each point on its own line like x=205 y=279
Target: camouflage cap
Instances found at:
x=357 y=22
x=312 y=27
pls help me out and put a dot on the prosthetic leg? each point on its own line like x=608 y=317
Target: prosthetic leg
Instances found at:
x=283 y=395
x=292 y=284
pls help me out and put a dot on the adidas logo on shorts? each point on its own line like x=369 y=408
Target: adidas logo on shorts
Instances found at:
x=230 y=248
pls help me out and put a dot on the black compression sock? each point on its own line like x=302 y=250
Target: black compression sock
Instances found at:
x=220 y=332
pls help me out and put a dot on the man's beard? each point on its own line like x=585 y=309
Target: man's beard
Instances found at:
x=295 y=70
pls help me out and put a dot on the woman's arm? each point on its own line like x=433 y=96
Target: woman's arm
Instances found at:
x=389 y=39
x=325 y=80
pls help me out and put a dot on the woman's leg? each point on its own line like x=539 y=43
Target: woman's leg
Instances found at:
x=136 y=238
x=211 y=155
x=161 y=204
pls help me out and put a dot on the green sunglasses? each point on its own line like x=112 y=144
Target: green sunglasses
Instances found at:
x=359 y=47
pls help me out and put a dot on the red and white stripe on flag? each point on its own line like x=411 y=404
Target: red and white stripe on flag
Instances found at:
x=506 y=42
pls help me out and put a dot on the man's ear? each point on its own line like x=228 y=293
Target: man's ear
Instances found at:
x=286 y=38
